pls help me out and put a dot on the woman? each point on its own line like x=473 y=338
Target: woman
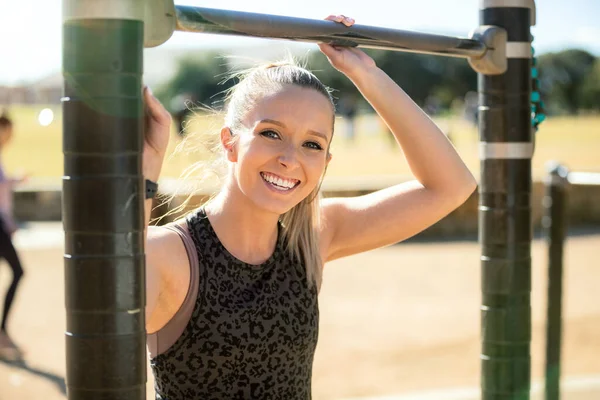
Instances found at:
x=7 y=251
x=232 y=288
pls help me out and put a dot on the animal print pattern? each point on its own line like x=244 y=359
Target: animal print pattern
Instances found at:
x=253 y=331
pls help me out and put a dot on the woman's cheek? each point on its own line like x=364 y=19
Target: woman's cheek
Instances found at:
x=316 y=171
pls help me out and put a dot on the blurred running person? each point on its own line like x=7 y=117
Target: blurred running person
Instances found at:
x=8 y=349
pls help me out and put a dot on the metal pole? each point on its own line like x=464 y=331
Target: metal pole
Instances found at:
x=103 y=213
x=207 y=20
x=505 y=226
x=584 y=178
x=554 y=224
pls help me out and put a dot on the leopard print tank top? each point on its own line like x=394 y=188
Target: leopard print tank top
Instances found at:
x=253 y=330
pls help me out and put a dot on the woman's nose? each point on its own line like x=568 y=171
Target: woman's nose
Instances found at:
x=288 y=157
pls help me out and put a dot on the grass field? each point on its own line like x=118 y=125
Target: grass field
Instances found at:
x=575 y=141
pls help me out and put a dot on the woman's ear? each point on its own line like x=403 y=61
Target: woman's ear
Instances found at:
x=228 y=144
x=329 y=157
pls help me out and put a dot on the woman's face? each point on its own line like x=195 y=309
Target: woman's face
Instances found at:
x=280 y=159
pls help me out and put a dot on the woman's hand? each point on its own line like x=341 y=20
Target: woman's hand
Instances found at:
x=157 y=129
x=348 y=60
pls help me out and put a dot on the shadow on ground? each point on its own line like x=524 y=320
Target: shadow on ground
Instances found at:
x=57 y=380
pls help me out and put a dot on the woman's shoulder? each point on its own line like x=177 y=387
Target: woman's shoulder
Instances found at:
x=187 y=221
x=189 y=230
x=171 y=249
x=163 y=240
x=168 y=265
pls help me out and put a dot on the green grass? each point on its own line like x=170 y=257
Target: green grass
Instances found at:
x=573 y=141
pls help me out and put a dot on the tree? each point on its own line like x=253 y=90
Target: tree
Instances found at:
x=562 y=77
x=590 y=90
x=421 y=76
x=341 y=86
x=201 y=79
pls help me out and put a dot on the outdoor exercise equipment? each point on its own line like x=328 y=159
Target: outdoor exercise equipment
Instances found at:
x=558 y=183
x=103 y=193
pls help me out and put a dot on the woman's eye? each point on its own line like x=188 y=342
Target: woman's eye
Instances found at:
x=313 y=145
x=270 y=134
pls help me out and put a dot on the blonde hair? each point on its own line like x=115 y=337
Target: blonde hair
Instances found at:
x=299 y=224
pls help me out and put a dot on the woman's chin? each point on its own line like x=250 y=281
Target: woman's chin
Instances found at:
x=276 y=206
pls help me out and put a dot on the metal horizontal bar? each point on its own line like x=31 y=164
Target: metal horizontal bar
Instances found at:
x=584 y=178
x=226 y=22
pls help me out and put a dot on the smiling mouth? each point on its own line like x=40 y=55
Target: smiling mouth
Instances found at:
x=279 y=183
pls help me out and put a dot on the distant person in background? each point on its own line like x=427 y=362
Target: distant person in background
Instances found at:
x=347 y=107
x=7 y=251
x=182 y=106
x=471 y=110
x=432 y=106
x=180 y=118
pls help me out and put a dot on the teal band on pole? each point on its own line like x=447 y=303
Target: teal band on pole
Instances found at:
x=103 y=210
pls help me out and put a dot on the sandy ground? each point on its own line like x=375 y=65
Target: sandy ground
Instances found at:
x=396 y=320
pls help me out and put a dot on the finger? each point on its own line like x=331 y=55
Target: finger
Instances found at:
x=336 y=18
x=328 y=49
x=148 y=97
x=146 y=101
x=355 y=50
x=154 y=108
x=347 y=20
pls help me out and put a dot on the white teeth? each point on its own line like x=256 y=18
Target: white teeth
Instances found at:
x=284 y=183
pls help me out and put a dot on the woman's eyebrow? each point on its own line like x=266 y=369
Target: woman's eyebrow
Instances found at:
x=281 y=124
x=319 y=134
x=272 y=121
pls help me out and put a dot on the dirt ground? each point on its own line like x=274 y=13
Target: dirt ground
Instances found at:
x=395 y=320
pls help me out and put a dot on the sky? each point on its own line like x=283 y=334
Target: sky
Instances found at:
x=31 y=43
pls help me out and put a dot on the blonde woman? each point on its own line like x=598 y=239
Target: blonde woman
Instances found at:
x=232 y=310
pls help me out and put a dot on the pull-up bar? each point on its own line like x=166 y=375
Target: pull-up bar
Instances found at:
x=209 y=20
x=485 y=49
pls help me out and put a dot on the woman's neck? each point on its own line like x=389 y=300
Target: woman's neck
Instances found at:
x=247 y=232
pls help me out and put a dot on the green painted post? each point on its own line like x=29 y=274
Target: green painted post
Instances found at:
x=555 y=229
x=103 y=213
x=505 y=226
